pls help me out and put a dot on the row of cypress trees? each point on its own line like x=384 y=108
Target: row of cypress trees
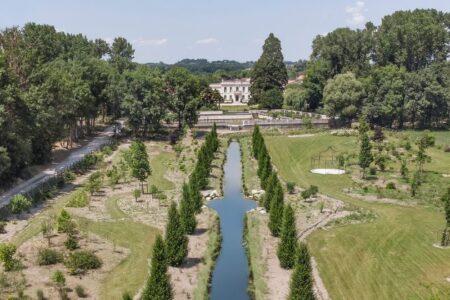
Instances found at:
x=282 y=223
x=174 y=249
x=273 y=199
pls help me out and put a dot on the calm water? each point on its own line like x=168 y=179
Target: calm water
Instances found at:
x=230 y=276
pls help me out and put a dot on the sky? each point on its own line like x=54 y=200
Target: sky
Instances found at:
x=170 y=30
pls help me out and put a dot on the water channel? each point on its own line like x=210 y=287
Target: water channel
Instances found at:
x=230 y=276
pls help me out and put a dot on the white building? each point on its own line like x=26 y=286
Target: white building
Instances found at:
x=235 y=91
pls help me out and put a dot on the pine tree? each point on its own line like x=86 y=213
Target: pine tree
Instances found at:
x=288 y=241
x=276 y=211
x=301 y=286
x=365 y=153
x=158 y=285
x=176 y=240
x=187 y=211
x=269 y=71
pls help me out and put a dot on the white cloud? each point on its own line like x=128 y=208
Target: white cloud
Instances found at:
x=207 y=41
x=356 y=13
x=150 y=42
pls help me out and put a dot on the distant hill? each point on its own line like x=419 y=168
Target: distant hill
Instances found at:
x=203 y=66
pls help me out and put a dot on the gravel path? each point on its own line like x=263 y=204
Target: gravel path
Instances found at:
x=43 y=176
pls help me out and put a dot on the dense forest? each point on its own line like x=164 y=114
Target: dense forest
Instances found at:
x=397 y=73
x=54 y=86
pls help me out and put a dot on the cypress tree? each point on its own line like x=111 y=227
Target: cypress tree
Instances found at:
x=446 y=200
x=301 y=286
x=288 y=241
x=176 y=240
x=158 y=285
x=365 y=153
x=270 y=187
x=187 y=211
x=255 y=136
x=269 y=71
x=276 y=211
x=446 y=233
x=196 y=197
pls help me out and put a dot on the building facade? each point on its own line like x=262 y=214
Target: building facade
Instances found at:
x=235 y=91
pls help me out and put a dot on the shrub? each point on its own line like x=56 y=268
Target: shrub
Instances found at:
x=407 y=145
x=7 y=252
x=137 y=194
x=49 y=257
x=81 y=261
x=154 y=189
x=310 y=192
x=447 y=148
x=64 y=222
x=79 y=199
x=390 y=186
x=373 y=170
x=127 y=296
x=290 y=186
x=69 y=176
x=107 y=150
x=40 y=295
x=71 y=242
x=2 y=226
x=80 y=291
x=19 y=203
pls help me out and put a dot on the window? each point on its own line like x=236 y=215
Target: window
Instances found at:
x=224 y=89
x=237 y=89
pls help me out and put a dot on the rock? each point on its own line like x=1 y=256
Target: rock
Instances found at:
x=261 y=210
x=257 y=194
x=208 y=198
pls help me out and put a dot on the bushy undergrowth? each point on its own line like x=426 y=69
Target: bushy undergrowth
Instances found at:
x=80 y=261
x=49 y=257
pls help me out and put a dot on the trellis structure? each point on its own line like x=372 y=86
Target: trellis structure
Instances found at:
x=325 y=159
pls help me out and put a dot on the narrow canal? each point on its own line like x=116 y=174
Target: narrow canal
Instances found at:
x=230 y=276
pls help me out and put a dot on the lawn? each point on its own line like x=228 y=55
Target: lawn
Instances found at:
x=160 y=164
x=390 y=258
x=234 y=108
x=132 y=272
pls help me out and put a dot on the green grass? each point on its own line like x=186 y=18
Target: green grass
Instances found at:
x=113 y=208
x=254 y=249
x=390 y=258
x=132 y=272
x=159 y=165
x=234 y=108
x=33 y=227
x=250 y=177
x=201 y=291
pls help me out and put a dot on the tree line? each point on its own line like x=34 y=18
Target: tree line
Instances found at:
x=282 y=224
x=54 y=86
x=181 y=222
x=397 y=74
